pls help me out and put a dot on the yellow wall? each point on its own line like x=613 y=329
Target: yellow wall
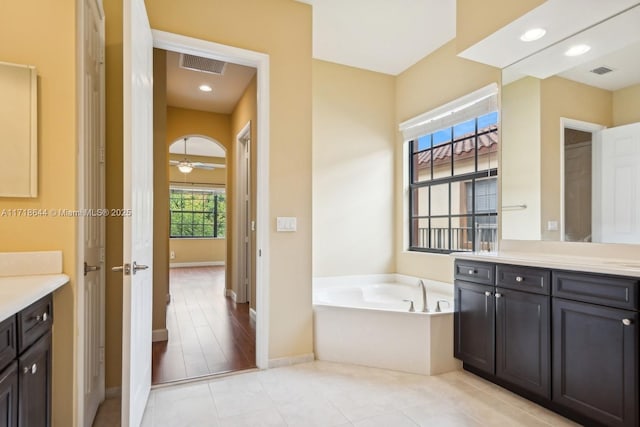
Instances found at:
x=626 y=105
x=564 y=98
x=281 y=29
x=521 y=160
x=43 y=33
x=353 y=148
x=244 y=112
x=435 y=80
x=476 y=20
x=199 y=250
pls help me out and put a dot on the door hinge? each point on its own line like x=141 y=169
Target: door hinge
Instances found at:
x=259 y=252
x=102 y=255
x=101 y=155
x=101 y=355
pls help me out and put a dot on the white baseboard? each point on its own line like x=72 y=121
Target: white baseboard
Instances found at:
x=231 y=293
x=113 y=392
x=159 y=335
x=252 y=316
x=195 y=264
x=293 y=360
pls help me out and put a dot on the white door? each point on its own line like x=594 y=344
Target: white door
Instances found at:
x=138 y=211
x=92 y=224
x=244 y=218
x=618 y=177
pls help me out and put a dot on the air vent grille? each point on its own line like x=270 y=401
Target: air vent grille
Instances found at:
x=601 y=70
x=205 y=65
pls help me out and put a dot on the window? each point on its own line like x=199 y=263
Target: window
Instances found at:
x=453 y=187
x=197 y=213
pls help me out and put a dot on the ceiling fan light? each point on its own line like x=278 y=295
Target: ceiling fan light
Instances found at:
x=185 y=167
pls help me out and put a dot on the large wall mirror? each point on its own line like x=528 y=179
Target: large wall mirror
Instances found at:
x=571 y=138
x=18 y=131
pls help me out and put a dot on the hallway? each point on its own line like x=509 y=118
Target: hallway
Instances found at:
x=208 y=332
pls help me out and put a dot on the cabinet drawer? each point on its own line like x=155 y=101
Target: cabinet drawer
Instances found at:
x=475 y=272
x=528 y=279
x=612 y=291
x=8 y=345
x=34 y=321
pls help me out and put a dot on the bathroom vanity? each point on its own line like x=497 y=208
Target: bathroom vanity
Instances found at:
x=26 y=321
x=563 y=334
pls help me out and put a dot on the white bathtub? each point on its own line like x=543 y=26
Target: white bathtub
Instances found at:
x=363 y=320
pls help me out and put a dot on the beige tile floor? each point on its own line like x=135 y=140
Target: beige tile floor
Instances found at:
x=332 y=394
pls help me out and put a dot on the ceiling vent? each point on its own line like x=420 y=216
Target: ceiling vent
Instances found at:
x=601 y=70
x=205 y=65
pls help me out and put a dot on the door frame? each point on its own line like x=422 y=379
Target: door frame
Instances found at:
x=241 y=218
x=585 y=127
x=260 y=61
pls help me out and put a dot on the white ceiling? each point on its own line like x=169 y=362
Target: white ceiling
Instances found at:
x=560 y=18
x=387 y=36
x=183 y=92
x=615 y=43
x=197 y=146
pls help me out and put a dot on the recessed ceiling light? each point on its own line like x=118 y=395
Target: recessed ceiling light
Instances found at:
x=578 y=50
x=205 y=88
x=533 y=34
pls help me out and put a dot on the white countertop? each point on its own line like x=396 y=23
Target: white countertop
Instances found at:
x=19 y=292
x=614 y=266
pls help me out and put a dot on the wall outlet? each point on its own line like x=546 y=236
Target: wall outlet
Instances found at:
x=552 y=226
x=172 y=255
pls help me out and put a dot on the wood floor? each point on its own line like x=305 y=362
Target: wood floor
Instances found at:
x=208 y=332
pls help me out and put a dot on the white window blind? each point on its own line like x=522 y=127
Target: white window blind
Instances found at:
x=477 y=103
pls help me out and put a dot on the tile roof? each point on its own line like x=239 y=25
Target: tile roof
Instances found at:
x=487 y=143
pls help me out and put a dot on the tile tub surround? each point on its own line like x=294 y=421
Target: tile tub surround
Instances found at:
x=377 y=330
x=25 y=277
x=333 y=394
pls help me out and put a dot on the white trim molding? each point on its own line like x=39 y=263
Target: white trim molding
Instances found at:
x=160 y=335
x=292 y=360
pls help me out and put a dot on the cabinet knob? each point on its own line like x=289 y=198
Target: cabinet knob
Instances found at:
x=519 y=278
x=42 y=317
x=471 y=272
x=33 y=369
x=487 y=293
x=627 y=322
x=498 y=295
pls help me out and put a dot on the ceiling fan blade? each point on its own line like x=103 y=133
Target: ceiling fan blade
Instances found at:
x=174 y=162
x=207 y=166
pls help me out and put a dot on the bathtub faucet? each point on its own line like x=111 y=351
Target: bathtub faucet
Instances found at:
x=425 y=308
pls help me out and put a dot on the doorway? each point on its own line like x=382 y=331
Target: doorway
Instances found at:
x=208 y=327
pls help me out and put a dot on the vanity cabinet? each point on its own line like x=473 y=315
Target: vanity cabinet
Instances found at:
x=567 y=340
x=595 y=347
x=504 y=329
x=25 y=366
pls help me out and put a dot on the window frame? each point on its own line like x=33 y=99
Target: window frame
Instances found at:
x=219 y=229
x=469 y=177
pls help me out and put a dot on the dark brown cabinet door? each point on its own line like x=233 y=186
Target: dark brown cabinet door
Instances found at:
x=34 y=370
x=474 y=322
x=9 y=396
x=523 y=338
x=595 y=361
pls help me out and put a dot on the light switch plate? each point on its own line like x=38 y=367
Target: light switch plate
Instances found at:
x=286 y=223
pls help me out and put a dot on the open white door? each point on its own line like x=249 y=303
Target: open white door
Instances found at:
x=137 y=212
x=617 y=176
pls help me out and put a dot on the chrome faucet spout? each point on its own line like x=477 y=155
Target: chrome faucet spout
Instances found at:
x=425 y=308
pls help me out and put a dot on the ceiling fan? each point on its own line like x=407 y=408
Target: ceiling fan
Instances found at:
x=186 y=166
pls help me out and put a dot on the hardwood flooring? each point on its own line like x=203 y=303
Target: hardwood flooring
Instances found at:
x=208 y=332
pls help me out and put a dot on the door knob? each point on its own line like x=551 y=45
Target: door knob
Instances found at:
x=137 y=267
x=88 y=268
x=126 y=269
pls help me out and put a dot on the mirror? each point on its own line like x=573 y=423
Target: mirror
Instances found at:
x=571 y=138
x=18 y=131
